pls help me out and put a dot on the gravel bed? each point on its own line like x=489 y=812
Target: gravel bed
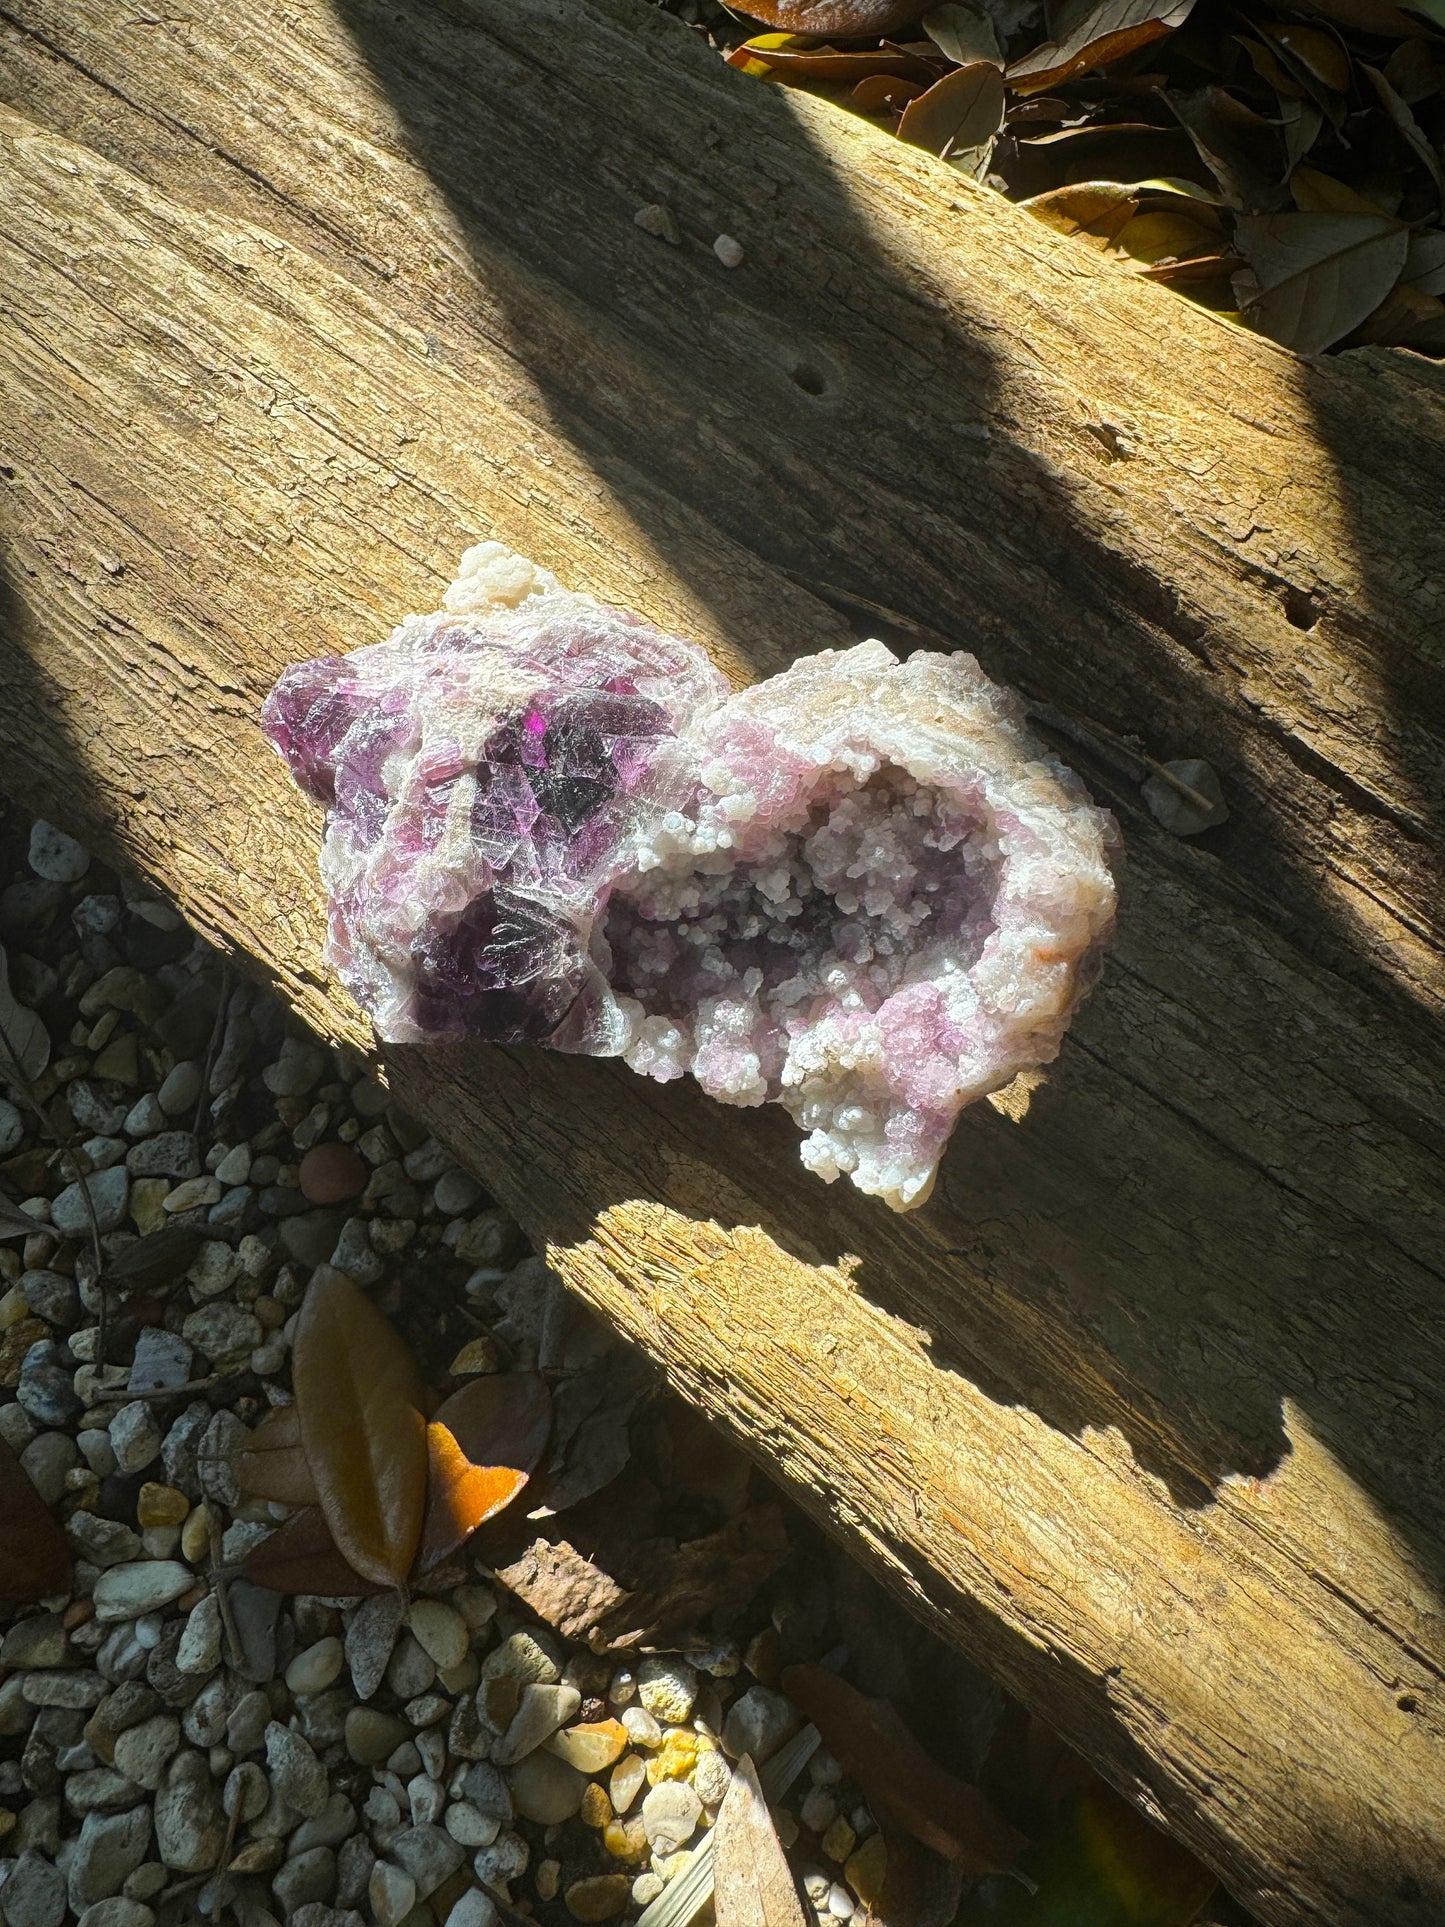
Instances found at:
x=176 y=1742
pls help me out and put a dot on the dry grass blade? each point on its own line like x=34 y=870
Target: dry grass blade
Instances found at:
x=360 y=1403
x=752 y=1886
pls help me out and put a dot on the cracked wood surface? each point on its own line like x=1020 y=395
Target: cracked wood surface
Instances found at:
x=1145 y=1408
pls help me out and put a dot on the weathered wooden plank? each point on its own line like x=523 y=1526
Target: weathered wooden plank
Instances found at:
x=1146 y=1405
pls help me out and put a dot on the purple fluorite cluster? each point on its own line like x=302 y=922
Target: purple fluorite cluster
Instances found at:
x=859 y=889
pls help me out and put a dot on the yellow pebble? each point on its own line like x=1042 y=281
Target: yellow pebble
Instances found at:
x=160 y=1505
x=596 y=1807
x=867 y=1869
x=196 y=1534
x=674 y=1759
x=839 y=1841
x=626 y=1840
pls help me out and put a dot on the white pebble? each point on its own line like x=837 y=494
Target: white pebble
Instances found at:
x=728 y=251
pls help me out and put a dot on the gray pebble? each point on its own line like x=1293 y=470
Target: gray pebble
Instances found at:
x=190 y=1826
x=670 y=1814
x=757 y=1724
x=541 y=1710
x=111 y=1846
x=55 y=856
x=173 y=1154
x=34 y=1895
x=101 y=1790
x=246 y=1726
x=102 y=1542
x=180 y=1088
x=46 y=1460
x=370 y=1635
x=40 y=1640
x=118 y=1912
x=145 y=1117
x=51 y=1296
x=12 y=1127
x=109 y=1193
x=245 y=1791
x=46 y=1388
x=226 y=1334
x=295 y=1772
x=309 y=1876
x=255 y=1610
x=124 y=1592
x=429 y=1855
x=457 y=1191
x=94 y=1112
x=143 y=1752
x=135 y=1437
x=298 y=1070
x=162 y=1359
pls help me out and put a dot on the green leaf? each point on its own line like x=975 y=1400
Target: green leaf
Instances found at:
x=1316 y=276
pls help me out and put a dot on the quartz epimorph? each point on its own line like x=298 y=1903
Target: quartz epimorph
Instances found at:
x=860 y=889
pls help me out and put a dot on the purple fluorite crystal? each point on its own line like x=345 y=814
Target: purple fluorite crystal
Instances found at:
x=859 y=889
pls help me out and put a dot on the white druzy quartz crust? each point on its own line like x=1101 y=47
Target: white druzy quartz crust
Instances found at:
x=860 y=889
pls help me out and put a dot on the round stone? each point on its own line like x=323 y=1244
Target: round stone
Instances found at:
x=313 y=1670
x=546 y=1789
x=331 y=1173
x=602 y=1896
x=125 y=1592
x=55 y=856
x=440 y=1630
x=670 y=1814
x=667 y=1688
x=373 y=1736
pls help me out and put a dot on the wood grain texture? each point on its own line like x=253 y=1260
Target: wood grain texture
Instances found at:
x=1145 y=1407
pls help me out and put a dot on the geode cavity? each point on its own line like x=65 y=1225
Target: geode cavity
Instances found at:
x=859 y=889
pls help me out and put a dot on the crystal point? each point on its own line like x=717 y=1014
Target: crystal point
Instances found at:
x=860 y=889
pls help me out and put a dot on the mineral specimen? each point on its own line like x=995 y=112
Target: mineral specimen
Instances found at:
x=859 y=889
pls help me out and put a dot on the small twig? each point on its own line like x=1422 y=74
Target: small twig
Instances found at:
x=1081 y=730
x=155 y=1393
x=223 y=998
x=223 y=1600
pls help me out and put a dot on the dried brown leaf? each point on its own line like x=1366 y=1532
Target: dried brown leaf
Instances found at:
x=1317 y=193
x=1090 y=34
x=1407 y=127
x=1098 y=210
x=482 y=1448
x=881 y=95
x=963 y=33
x=752 y=1884
x=360 y=1401
x=850 y=19
x=833 y=66
x=1314 y=277
x=900 y=1780
x=963 y=110
x=1425 y=262
x=272 y=1462
x=37 y=1559
x=302 y=1556
x=1242 y=149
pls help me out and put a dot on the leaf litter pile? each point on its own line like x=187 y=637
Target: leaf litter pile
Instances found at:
x=1278 y=161
x=357 y=1573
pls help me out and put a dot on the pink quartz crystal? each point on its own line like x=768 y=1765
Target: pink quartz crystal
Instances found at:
x=860 y=889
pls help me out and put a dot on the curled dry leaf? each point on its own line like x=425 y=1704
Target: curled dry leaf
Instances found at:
x=302 y=1556
x=852 y=19
x=830 y=66
x=1314 y=277
x=482 y=1447
x=37 y=1559
x=1408 y=128
x=752 y=1884
x=1099 y=210
x=1090 y=34
x=902 y=1783
x=963 y=110
x=360 y=1402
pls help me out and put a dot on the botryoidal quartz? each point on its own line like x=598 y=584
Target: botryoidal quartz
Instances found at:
x=860 y=889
